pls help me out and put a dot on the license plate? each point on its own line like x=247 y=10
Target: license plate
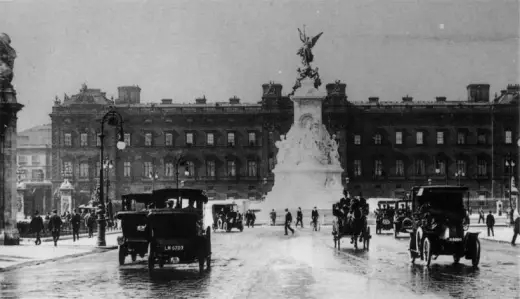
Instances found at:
x=141 y=228
x=455 y=239
x=174 y=247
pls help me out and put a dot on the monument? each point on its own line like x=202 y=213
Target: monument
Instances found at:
x=9 y=107
x=66 y=189
x=308 y=171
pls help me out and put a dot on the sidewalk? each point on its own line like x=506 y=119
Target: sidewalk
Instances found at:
x=502 y=235
x=28 y=254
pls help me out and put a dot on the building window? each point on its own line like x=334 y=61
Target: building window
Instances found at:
x=168 y=169
x=68 y=139
x=210 y=168
x=22 y=160
x=440 y=167
x=440 y=137
x=251 y=138
x=231 y=168
x=420 y=168
x=509 y=137
x=482 y=167
x=83 y=139
x=357 y=139
x=128 y=139
x=67 y=170
x=83 y=170
x=189 y=138
x=357 y=167
x=231 y=139
x=168 y=139
x=399 y=167
x=210 y=139
x=127 y=169
x=481 y=138
x=35 y=159
x=148 y=139
x=190 y=168
x=377 y=138
x=147 y=169
x=398 y=137
x=378 y=168
x=461 y=167
x=419 y=138
x=461 y=137
x=251 y=168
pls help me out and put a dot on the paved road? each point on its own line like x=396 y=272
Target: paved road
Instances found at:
x=262 y=263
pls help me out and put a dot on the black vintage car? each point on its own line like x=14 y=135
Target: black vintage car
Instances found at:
x=440 y=225
x=384 y=215
x=178 y=233
x=403 y=222
x=226 y=217
x=133 y=216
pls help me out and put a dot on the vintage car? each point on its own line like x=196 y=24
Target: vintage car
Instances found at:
x=384 y=215
x=226 y=215
x=403 y=217
x=177 y=233
x=134 y=240
x=351 y=220
x=440 y=225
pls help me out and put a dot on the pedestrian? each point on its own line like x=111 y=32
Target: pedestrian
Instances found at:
x=248 y=218
x=37 y=227
x=299 y=217
x=89 y=223
x=516 y=229
x=253 y=218
x=315 y=215
x=273 y=218
x=76 y=222
x=481 y=215
x=288 y=220
x=490 y=222
x=55 y=226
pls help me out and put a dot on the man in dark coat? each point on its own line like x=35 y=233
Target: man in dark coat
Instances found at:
x=490 y=222
x=516 y=230
x=55 y=226
x=37 y=227
x=314 y=216
x=273 y=217
x=75 y=221
x=299 y=217
x=480 y=215
x=288 y=220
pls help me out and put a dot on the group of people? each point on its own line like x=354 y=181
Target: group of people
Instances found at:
x=299 y=219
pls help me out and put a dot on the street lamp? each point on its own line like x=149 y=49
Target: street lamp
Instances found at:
x=113 y=118
x=459 y=174
x=510 y=164
x=107 y=165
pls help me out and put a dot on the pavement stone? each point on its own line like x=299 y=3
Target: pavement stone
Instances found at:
x=502 y=235
x=28 y=254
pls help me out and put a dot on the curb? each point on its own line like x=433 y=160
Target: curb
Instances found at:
x=70 y=237
x=498 y=241
x=40 y=262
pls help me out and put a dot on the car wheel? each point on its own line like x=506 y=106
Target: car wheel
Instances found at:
x=475 y=259
x=122 y=255
x=396 y=232
x=225 y=226
x=201 y=265
x=427 y=251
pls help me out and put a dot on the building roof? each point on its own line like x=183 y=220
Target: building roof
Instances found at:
x=87 y=96
x=509 y=96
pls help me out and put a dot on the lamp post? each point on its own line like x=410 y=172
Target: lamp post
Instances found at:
x=510 y=164
x=108 y=166
x=113 y=118
x=459 y=174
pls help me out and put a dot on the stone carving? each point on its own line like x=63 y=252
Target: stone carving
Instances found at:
x=306 y=55
x=7 y=57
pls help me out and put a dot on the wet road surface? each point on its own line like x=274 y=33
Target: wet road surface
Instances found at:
x=262 y=263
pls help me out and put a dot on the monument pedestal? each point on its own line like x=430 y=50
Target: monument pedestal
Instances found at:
x=20 y=205
x=66 y=197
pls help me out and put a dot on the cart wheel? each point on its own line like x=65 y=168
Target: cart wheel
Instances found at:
x=427 y=251
x=122 y=255
x=208 y=247
x=456 y=259
x=475 y=259
x=201 y=265
x=151 y=257
x=208 y=261
x=134 y=257
x=225 y=226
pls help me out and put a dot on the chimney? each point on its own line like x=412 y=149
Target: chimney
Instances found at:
x=478 y=93
x=512 y=88
x=166 y=101
x=440 y=99
x=407 y=99
x=234 y=100
x=201 y=100
x=129 y=95
x=373 y=100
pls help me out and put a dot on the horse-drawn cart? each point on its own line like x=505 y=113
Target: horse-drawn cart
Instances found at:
x=351 y=220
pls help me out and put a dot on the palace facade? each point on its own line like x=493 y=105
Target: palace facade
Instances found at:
x=229 y=147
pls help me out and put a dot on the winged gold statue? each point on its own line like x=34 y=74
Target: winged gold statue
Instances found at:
x=305 y=51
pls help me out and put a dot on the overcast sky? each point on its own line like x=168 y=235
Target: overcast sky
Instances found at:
x=185 y=49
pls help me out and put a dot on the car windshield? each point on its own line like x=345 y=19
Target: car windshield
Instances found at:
x=451 y=203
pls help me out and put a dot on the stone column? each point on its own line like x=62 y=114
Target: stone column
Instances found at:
x=20 y=190
x=66 y=197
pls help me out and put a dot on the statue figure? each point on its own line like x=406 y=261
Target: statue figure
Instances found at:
x=305 y=52
x=7 y=57
x=57 y=101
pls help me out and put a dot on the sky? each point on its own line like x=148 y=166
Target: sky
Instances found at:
x=220 y=49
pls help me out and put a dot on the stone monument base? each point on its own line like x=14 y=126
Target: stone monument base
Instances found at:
x=9 y=237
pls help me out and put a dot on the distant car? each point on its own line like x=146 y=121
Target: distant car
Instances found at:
x=440 y=225
x=226 y=216
x=384 y=215
x=403 y=222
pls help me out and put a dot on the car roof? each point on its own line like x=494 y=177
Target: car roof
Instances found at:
x=194 y=194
